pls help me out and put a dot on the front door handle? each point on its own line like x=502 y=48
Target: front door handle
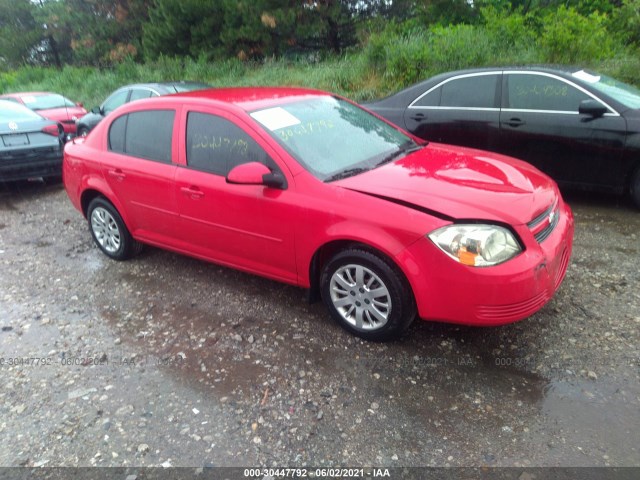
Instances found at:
x=515 y=122
x=193 y=192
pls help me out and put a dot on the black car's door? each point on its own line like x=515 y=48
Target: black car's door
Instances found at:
x=540 y=123
x=462 y=110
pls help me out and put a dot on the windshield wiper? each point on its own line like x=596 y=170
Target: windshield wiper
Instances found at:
x=403 y=150
x=349 y=172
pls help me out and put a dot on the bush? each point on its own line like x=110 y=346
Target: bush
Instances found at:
x=570 y=38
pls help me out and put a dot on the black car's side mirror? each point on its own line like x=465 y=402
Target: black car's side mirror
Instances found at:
x=593 y=108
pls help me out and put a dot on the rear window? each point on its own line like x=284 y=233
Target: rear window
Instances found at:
x=14 y=112
x=146 y=134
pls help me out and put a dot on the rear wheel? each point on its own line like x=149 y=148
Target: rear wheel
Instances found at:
x=109 y=231
x=367 y=295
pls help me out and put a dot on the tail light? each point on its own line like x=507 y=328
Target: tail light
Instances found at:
x=54 y=130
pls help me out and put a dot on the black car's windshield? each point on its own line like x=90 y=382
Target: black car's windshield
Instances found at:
x=626 y=94
x=333 y=138
x=10 y=111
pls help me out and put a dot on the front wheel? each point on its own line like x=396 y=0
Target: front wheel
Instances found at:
x=83 y=131
x=367 y=295
x=109 y=231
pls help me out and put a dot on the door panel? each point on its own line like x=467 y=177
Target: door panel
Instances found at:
x=541 y=125
x=245 y=226
x=460 y=111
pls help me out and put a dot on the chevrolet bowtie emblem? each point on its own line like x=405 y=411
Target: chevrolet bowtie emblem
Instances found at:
x=13 y=126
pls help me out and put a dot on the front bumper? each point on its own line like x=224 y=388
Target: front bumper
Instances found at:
x=451 y=292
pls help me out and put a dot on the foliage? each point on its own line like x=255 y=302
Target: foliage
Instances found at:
x=568 y=37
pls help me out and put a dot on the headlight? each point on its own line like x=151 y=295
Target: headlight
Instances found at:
x=476 y=245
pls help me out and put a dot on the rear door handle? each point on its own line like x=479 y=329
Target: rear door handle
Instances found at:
x=418 y=117
x=193 y=192
x=117 y=174
x=515 y=122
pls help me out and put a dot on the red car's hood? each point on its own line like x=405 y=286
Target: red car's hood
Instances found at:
x=461 y=183
x=61 y=114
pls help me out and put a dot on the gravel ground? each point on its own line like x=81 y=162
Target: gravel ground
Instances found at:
x=166 y=360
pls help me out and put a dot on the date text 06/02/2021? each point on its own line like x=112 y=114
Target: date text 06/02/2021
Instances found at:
x=316 y=473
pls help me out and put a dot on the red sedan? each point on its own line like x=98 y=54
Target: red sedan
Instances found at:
x=309 y=189
x=51 y=106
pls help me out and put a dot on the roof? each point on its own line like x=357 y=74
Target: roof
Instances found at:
x=253 y=98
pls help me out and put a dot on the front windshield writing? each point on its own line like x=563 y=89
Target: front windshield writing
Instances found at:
x=328 y=135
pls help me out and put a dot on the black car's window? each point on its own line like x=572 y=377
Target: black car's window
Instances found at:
x=540 y=92
x=477 y=91
x=146 y=134
x=431 y=99
x=216 y=145
x=140 y=93
x=114 y=101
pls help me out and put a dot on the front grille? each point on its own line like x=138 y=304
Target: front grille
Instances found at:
x=543 y=225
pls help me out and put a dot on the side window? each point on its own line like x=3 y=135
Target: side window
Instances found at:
x=216 y=145
x=431 y=99
x=146 y=134
x=539 y=92
x=116 y=134
x=114 y=101
x=139 y=94
x=472 y=92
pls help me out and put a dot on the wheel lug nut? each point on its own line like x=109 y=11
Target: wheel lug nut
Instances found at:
x=358 y=304
x=352 y=293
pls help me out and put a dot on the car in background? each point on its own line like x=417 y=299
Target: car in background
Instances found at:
x=579 y=127
x=30 y=145
x=307 y=188
x=130 y=93
x=52 y=106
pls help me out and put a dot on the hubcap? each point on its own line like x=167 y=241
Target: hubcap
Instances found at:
x=360 y=297
x=105 y=229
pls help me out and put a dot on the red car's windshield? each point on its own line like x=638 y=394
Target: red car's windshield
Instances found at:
x=332 y=138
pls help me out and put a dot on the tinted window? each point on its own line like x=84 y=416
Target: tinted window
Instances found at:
x=431 y=99
x=216 y=145
x=471 y=92
x=139 y=94
x=539 y=92
x=114 y=101
x=143 y=134
x=116 y=134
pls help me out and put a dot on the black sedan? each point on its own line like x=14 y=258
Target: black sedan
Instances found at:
x=129 y=93
x=30 y=145
x=581 y=128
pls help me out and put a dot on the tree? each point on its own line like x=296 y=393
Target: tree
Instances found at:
x=20 y=34
x=183 y=27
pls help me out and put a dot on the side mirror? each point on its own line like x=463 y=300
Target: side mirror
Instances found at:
x=255 y=173
x=79 y=104
x=592 y=108
x=96 y=110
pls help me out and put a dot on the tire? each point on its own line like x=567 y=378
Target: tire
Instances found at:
x=634 y=189
x=109 y=231
x=83 y=131
x=367 y=295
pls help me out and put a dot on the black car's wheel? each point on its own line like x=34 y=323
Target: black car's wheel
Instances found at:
x=109 y=231
x=83 y=131
x=367 y=295
x=635 y=188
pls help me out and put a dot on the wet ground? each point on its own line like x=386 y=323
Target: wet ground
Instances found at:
x=166 y=360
